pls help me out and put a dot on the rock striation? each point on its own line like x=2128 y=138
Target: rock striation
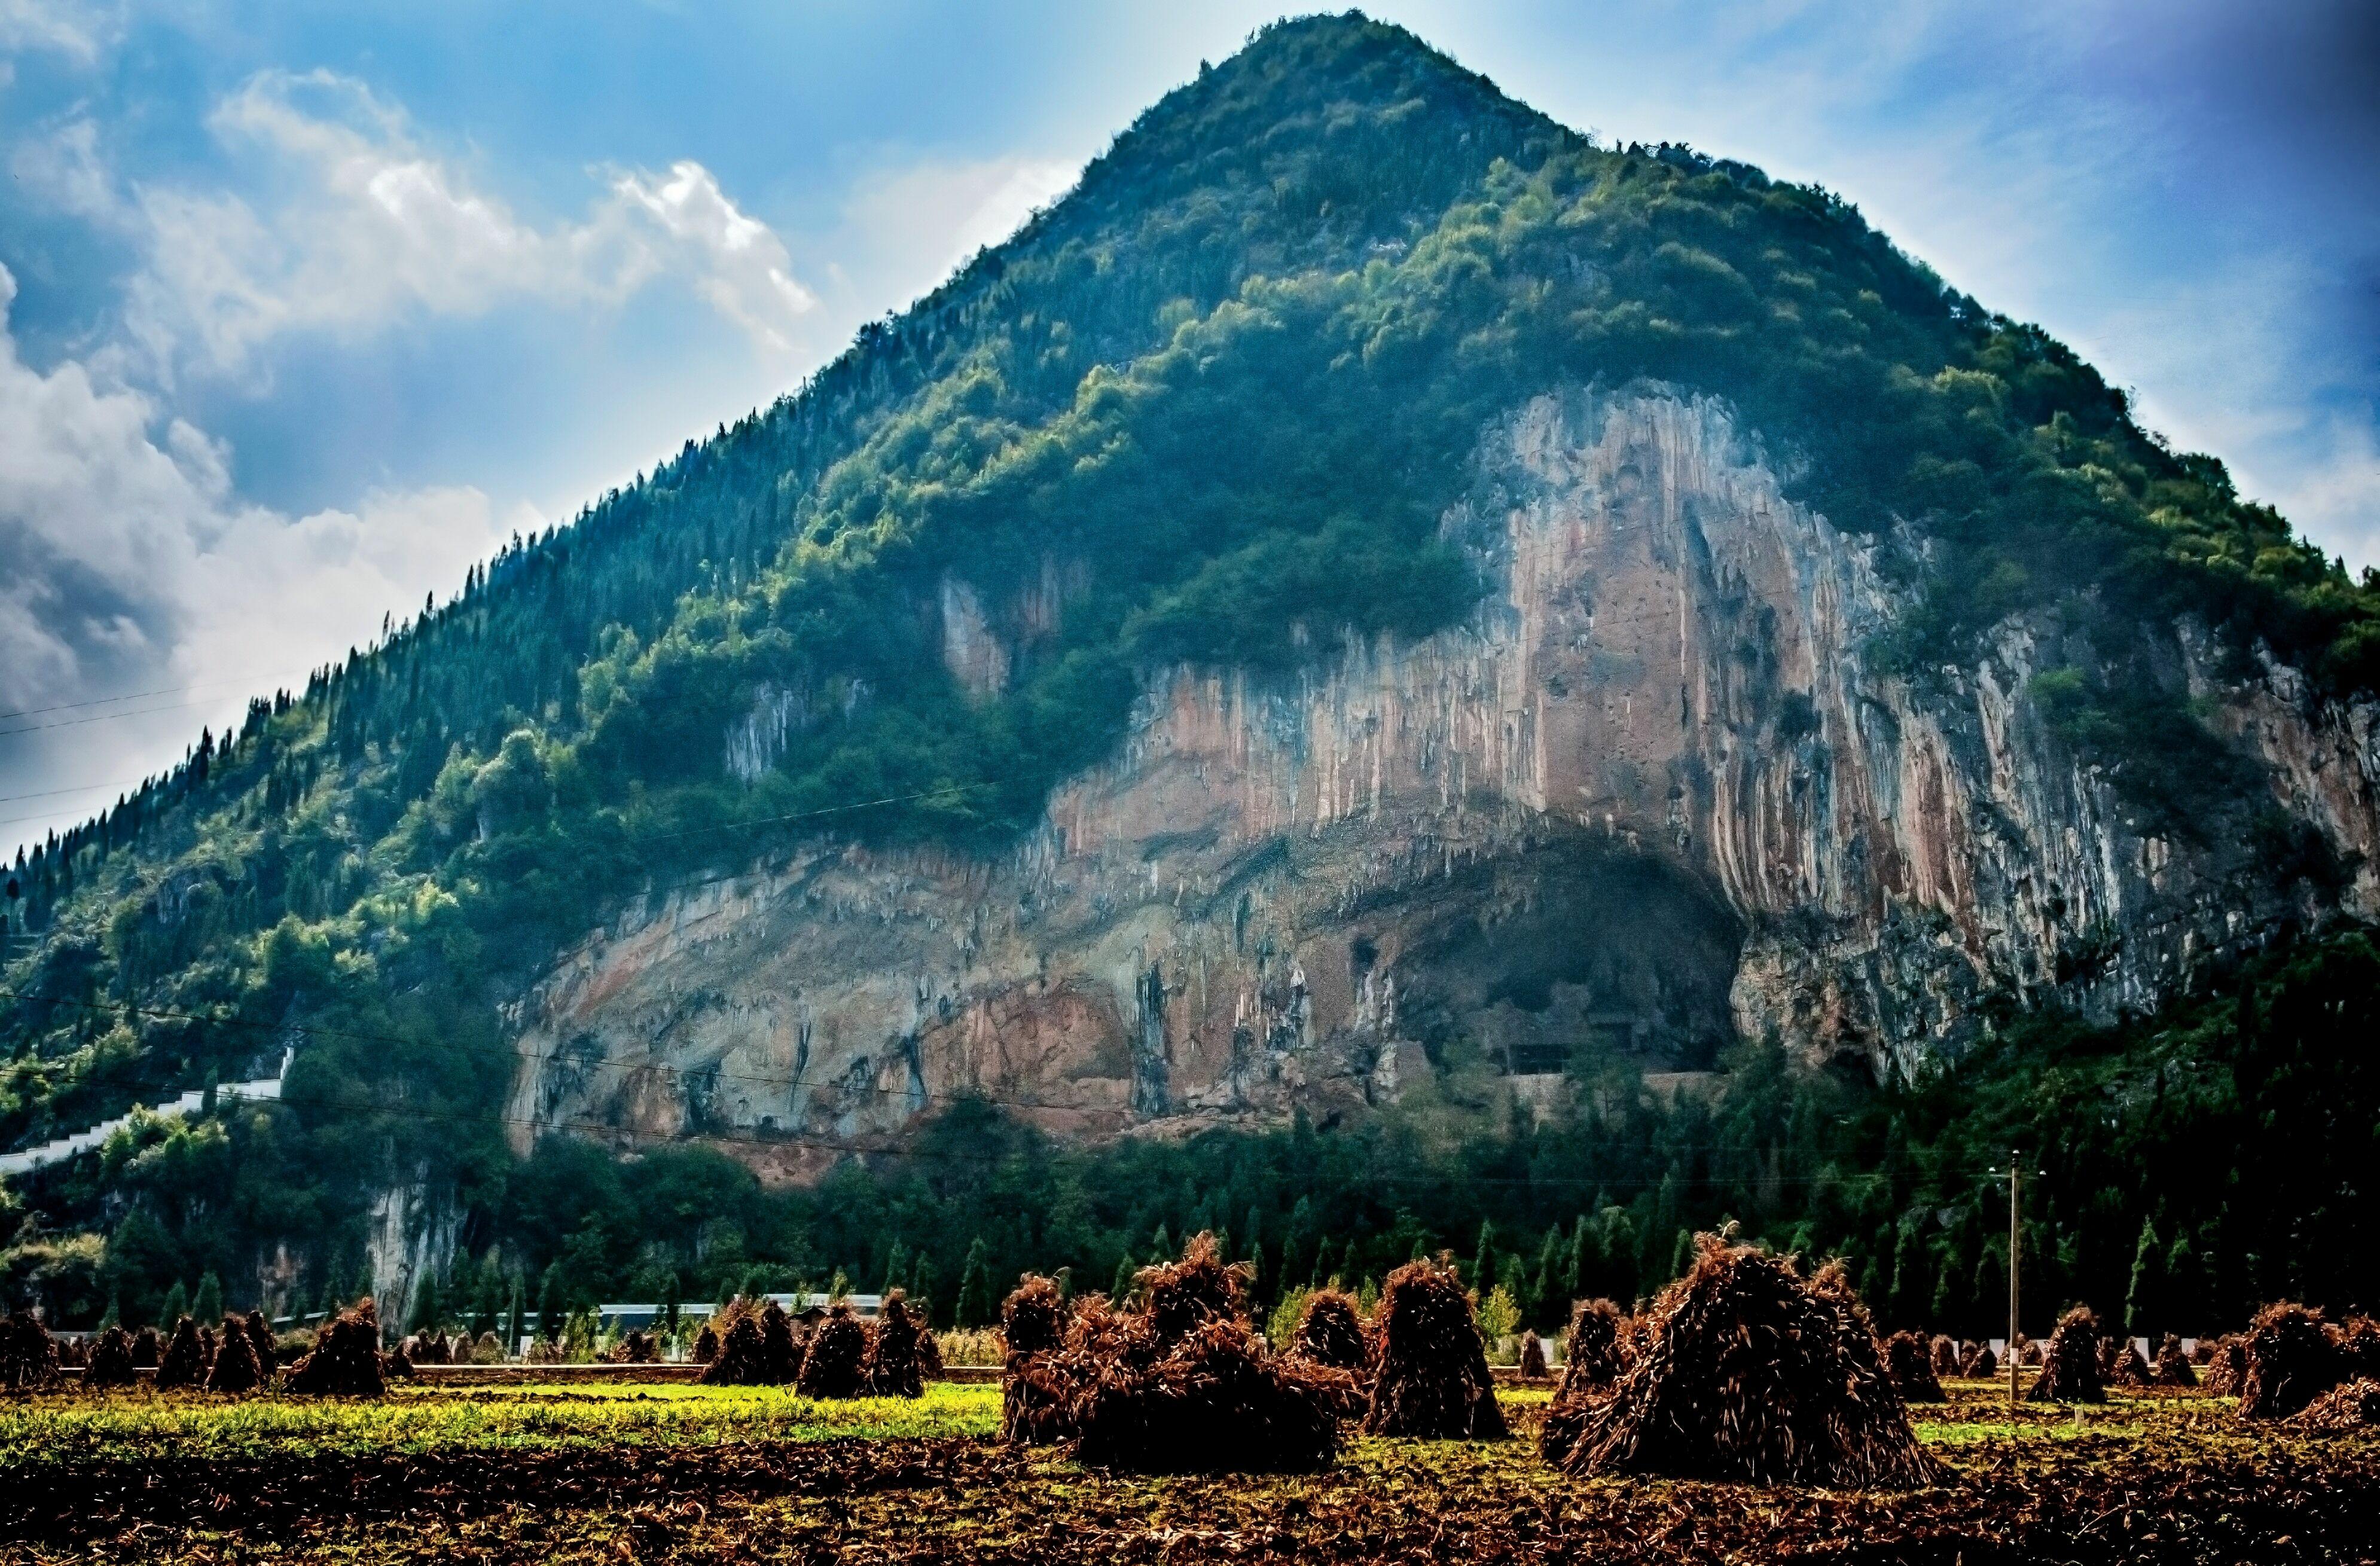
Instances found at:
x=1661 y=792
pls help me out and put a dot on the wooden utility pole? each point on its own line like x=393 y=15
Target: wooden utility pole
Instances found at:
x=2016 y=1179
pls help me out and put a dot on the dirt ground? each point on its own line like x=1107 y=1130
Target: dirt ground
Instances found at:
x=2146 y=1479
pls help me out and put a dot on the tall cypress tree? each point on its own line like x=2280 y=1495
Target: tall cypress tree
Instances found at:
x=2144 y=1305
x=208 y=1307
x=977 y=1307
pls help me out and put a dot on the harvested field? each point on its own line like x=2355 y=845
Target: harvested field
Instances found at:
x=2141 y=1479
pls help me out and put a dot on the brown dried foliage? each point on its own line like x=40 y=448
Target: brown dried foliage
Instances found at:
x=893 y=1368
x=2227 y=1366
x=29 y=1355
x=1752 y=1372
x=184 y=1364
x=2173 y=1365
x=111 y=1360
x=147 y=1348
x=260 y=1337
x=1331 y=1333
x=1909 y=1360
x=755 y=1346
x=1180 y=1385
x=706 y=1344
x=1532 y=1362
x=2349 y=1407
x=2292 y=1359
x=346 y=1361
x=1430 y=1369
x=2070 y=1367
x=234 y=1369
x=635 y=1348
x=834 y=1361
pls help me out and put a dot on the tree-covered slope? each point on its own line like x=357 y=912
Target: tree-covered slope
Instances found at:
x=1217 y=399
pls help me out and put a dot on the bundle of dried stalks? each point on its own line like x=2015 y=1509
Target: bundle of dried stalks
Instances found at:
x=235 y=1370
x=2070 y=1369
x=1945 y=1350
x=2350 y=1407
x=1178 y=1295
x=147 y=1348
x=1909 y=1360
x=2359 y=1347
x=1752 y=1372
x=1429 y=1370
x=705 y=1345
x=894 y=1368
x=1033 y=1395
x=111 y=1360
x=346 y=1360
x=1331 y=1333
x=260 y=1337
x=755 y=1346
x=1532 y=1362
x=2292 y=1359
x=1210 y=1400
x=1591 y=1364
x=2226 y=1365
x=2121 y=1364
x=73 y=1352
x=929 y=1347
x=184 y=1363
x=1979 y=1362
x=635 y=1348
x=834 y=1361
x=29 y=1357
x=2173 y=1365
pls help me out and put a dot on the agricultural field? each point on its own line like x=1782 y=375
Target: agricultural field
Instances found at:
x=617 y=1472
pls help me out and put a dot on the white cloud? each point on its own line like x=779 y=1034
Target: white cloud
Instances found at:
x=355 y=225
x=133 y=566
x=905 y=228
x=61 y=27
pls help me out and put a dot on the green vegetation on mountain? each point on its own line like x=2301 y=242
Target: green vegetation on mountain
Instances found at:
x=1221 y=395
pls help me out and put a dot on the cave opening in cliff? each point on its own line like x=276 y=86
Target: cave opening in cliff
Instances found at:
x=1570 y=955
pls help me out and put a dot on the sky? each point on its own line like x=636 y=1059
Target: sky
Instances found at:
x=304 y=309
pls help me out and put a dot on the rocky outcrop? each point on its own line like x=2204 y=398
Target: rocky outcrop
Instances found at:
x=1656 y=794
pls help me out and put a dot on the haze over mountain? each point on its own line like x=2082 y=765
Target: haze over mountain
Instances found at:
x=1371 y=609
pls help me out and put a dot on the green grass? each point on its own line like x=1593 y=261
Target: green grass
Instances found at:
x=70 y=1428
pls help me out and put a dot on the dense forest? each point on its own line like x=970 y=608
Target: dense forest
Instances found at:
x=1236 y=375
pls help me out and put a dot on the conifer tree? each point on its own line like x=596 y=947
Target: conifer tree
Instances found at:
x=1483 y=1266
x=2145 y=1307
x=176 y=1305
x=208 y=1304
x=976 y=1306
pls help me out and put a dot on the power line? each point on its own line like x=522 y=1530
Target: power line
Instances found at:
x=143 y=695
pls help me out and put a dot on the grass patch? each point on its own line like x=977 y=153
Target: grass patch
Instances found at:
x=70 y=1428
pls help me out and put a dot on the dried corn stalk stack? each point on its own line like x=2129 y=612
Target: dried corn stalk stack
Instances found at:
x=111 y=1360
x=834 y=1361
x=1752 y=1372
x=345 y=1359
x=635 y=1348
x=2070 y=1367
x=1945 y=1353
x=892 y=1368
x=1909 y=1360
x=1213 y=1399
x=2292 y=1359
x=1184 y=1385
x=929 y=1347
x=2226 y=1365
x=2173 y=1365
x=29 y=1357
x=755 y=1347
x=1530 y=1365
x=1331 y=1333
x=1429 y=1370
x=2359 y=1347
x=2349 y=1407
x=705 y=1345
x=148 y=1348
x=1033 y=1397
x=235 y=1370
x=1591 y=1363
x=1979 y=1362
x=184 y=1364
x=260 y=1337
x=2121 y=1364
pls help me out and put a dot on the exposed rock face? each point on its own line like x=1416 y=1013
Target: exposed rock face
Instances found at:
x=1655 y=789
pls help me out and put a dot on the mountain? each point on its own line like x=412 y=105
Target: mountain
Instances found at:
x=1370 y=606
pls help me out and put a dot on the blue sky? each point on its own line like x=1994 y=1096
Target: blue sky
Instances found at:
x=308 y=306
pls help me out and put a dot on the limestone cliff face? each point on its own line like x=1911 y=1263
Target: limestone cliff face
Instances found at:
x=1654 y=791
